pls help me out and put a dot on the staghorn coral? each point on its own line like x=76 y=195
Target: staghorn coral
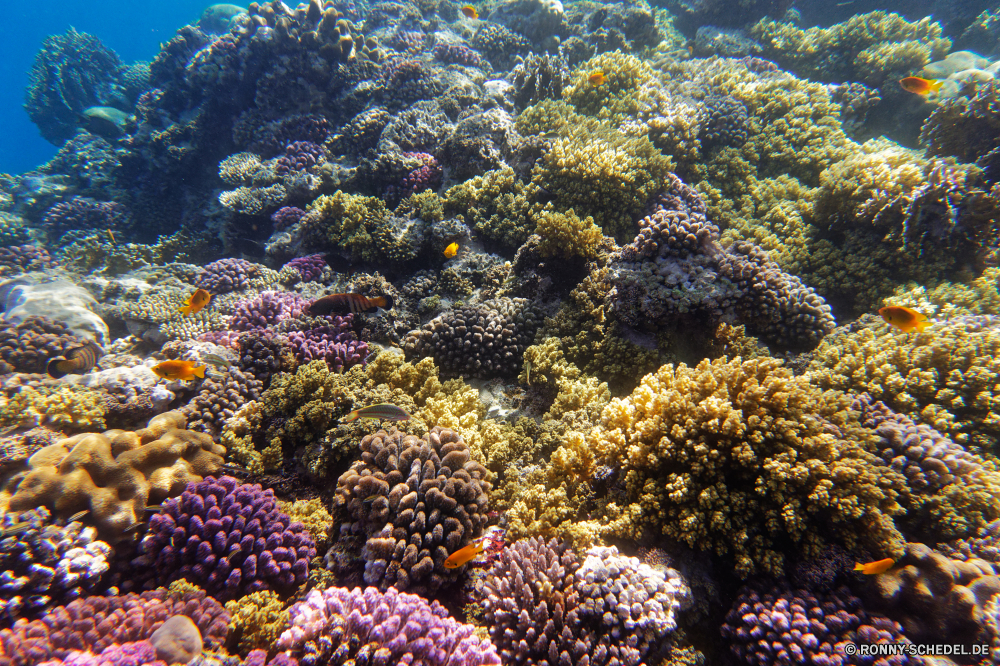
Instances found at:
x=414 y=501
x=544 y=606
x=95 y=623
x=115 y=475
x=339 y=625
x=231 y=537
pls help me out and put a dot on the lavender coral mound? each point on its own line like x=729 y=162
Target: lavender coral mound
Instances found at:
x=47 y=563
x=545 y=607
x=338 y=626
x=286 y=216
x=781 y=626
x=24 y=259
x=227 y=537
x=676 y=266
x=310 y=267
x=416 y=500
x=136 y=653
x=336 y=343
x=226 y=275
x=95 y=623
x=271 y=307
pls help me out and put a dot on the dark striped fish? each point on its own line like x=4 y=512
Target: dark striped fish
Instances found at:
x=78 y=360
x=383 y=411
x=77 y=516
x=348 y=303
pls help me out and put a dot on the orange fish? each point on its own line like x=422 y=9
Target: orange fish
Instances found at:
x=597 y=78
x=869 y=569
x=344 y=303
x=463 y=555
x=195 y=302
x=184 y=370
x=903 y=318
x=451 y=250
x=915 y=84
x=470 y=12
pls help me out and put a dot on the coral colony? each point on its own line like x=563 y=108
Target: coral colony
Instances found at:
x=521 y=332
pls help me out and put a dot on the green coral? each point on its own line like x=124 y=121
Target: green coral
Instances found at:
x=618 y=98
x=257 y=620
x=361 y=226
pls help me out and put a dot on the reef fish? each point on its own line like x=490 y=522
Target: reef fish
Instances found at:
x=463 y=555
x=184 y=370
x=344 y=303
x=597 y=78
x=470 y=12
x=195 y=302
x=903 y=318
x=451 y=250
x=920 y=86
x=16 y=528
x=105 y=121
x=382 y=411
x=78 y=360
x=872 y=568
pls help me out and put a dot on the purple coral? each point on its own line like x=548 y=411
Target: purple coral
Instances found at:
x=83 y=214
x=228 y=537
x=286 y=216
x=226 y=275
x=24 y=259
x=310 y=267
x=391 y=627
x=336 y=343
x=767 y=627
x=427 y=176
x=269 y=308
x=457 y=54
x=298 y=156
x=135 y=653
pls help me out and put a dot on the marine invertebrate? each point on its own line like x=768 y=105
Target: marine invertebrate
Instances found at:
x=605 y=609
x=309 y=267
x=24 y=259
x=257 y=619
x=83 y=214
x=47 y=564
x=286 y=216
x=68 y=409
x=226 y=275
x=413 y=501
x=966 y=127
x=537 y=77
x=339 y=624
x=219 y=398
x=567 y=236
x=485 y=340
x=334 y=342
x=115 y=476
x=228 y=536
x=775 y=624
x=267 y=309
x=28 y=345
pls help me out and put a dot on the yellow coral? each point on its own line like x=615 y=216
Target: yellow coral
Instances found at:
x=314 y=516
x=617 y=99
x=566 y=235
x=257 y=620
x=66 y=409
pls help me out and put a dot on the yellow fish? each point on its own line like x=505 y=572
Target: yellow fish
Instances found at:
x=183 y=370
x=920 y=86
x=903 y=318
x=869 y=568
x=597 y=78
x=470 y=12
x=451 y=250
x=463 y=555
x=195 y=302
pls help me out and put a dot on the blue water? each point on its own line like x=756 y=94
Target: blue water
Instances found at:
x=134 y=30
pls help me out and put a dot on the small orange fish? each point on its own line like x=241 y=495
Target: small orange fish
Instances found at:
x=869 y=568
x=195 y=302
x=915 y=84
x=451 y=250
x=183 y=370
x=903 y=318
x=463 y=555
x=597 y=78
x=470 y=12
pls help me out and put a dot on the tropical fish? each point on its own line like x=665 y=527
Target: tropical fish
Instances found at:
x=463 y=555
x=153 y=507
x=869 y=568
x=79 y=360
x=381 y=411
x=470 y=12
x=216 y=360
x=451 y=250
x=903 y=318
x=597 y=78
x=16 y=528
x=77 y=516
x=915 y=84
x=195 y=302
x=184 y=370
x=234 y=469
x=344 y=303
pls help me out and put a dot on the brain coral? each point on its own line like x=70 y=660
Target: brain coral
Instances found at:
x=415 y=501
x=229 y=537
x=545 y=607
x=115 y=475
x=741 y=457
x=340 y=626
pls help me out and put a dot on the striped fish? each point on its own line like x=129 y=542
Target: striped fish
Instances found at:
x=383 y=411
x=348 y=303
x=78 y=360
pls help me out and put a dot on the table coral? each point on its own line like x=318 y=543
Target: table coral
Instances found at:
x=117 y=474
x=339 y=625
x=413 y=516
x=228 y=536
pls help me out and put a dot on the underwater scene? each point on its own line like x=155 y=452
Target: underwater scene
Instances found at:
x=519 y=332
